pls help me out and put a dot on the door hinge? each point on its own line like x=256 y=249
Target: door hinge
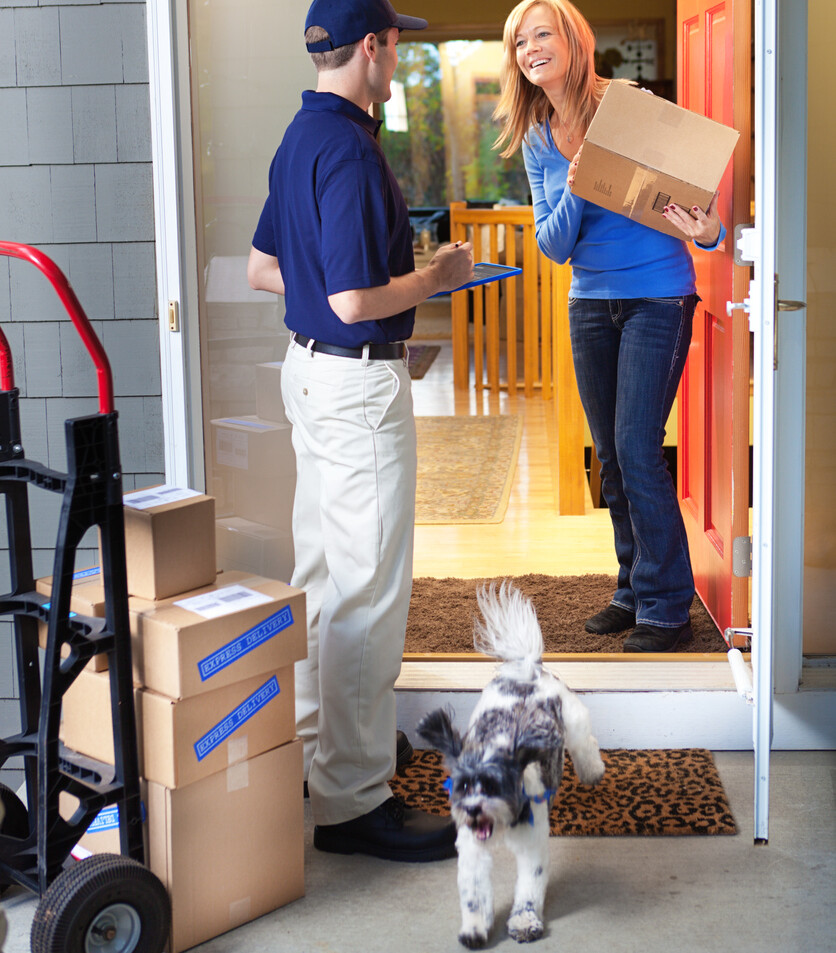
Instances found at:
x=745 y=249
x=742 y=556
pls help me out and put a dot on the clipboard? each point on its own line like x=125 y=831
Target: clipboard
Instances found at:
x=483 y=273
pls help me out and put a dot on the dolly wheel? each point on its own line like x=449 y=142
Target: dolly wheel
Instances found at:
x=14 y=821
x=106 y=903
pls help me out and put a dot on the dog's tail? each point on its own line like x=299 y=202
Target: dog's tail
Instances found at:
x=509 y=630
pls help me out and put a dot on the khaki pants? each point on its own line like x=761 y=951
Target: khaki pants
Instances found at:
x=353 y=527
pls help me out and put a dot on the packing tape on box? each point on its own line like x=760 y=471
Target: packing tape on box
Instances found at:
x=239 y=912
x=108 y=819
x=238 y=777
x=642 y=182
x=87 y=573
x=238 y=749
x=245 y=643
x=217 y=735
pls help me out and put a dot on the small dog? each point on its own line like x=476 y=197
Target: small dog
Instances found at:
x=505 y=771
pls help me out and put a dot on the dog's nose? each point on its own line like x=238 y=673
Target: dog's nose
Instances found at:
x=474 y=810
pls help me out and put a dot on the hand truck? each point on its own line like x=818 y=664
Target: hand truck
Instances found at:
x=106 y=903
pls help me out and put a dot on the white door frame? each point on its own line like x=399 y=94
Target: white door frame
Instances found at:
x=791 y=344
x=780 y=257
x=762 y=312
x=174 y=212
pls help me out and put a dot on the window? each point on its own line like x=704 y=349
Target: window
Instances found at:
x=438 y=136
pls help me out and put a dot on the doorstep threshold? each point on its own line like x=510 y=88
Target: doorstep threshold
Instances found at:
x=582 y=673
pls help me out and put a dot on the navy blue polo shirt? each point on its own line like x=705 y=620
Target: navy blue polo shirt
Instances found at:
x=336 y=220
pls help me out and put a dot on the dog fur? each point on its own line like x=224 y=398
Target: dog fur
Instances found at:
x=506 y=768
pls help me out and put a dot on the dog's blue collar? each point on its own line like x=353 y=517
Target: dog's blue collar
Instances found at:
x=547 y=796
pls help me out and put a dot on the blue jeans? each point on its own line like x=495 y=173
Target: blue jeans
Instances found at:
x=628 y=356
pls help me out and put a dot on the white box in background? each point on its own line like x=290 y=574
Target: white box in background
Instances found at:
x=268 y=392
x=254 y=547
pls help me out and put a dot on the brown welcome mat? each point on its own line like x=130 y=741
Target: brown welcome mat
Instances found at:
x=421 y=357
x=654 y=792
x=442 y=611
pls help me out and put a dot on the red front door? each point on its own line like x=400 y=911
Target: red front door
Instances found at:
x=714 y=79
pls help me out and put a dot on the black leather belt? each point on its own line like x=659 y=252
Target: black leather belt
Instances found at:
x=377 y=352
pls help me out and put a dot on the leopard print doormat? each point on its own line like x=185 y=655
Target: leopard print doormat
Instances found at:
x=656 y=792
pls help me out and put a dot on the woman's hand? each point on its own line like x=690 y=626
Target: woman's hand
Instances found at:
x=696 y=225
x=573 y=168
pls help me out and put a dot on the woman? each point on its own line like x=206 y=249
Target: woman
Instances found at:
x=631 y=304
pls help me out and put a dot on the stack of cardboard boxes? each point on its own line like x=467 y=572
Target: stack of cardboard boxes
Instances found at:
x=213 y=660
x=254 y=479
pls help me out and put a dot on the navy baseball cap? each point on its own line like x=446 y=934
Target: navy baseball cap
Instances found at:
x=348 y=21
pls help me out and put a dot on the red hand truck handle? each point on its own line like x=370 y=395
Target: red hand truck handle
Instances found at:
x=76 y=312
x=7 y=372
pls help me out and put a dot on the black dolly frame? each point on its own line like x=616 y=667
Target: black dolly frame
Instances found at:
x=34 y=853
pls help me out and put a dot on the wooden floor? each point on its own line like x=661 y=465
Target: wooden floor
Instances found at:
x=532 y=537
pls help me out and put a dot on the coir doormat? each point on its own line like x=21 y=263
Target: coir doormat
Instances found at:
x=660 y=792
x=442 y=611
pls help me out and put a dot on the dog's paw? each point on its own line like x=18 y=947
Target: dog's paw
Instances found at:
x=473 y=939
x=525 y=926
x=590 y=767
x=593 y=775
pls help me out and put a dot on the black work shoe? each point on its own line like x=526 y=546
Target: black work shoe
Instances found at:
x=610 y=620
x=393 y=832
x=655 y=638
x=403 y=749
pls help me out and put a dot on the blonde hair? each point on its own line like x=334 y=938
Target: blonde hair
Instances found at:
x=522 y=104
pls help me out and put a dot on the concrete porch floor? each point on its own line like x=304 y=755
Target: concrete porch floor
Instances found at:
x=606 y=895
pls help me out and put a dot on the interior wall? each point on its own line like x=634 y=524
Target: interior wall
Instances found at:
x=820 y=486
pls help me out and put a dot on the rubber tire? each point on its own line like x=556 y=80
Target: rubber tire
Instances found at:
x=15 y=821
x=83 y=891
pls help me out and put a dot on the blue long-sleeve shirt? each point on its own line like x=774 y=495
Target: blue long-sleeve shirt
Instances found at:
x=611 y=256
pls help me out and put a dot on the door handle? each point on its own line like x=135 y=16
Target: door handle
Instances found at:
x=791 y=305
x=732 y=306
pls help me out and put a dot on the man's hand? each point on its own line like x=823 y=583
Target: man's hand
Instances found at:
x=451 y=266
x=696 y=225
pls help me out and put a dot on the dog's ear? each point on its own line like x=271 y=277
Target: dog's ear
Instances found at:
x=437 y=729
x=538 y=730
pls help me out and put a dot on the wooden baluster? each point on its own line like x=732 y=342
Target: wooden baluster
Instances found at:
x=511 y=310
x=531 y=309
x=545 y=325
x=458 y=307
x=492 y=314
x=567 y=403
x=478 y=298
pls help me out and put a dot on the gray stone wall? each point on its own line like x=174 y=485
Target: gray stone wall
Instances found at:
x=75 y=181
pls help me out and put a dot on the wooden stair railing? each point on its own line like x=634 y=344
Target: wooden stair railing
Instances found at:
x=506 y=236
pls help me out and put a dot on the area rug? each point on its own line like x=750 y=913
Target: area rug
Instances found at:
x=466 y=467
x=420 y=359
x=654 y=792
x=442 y=611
